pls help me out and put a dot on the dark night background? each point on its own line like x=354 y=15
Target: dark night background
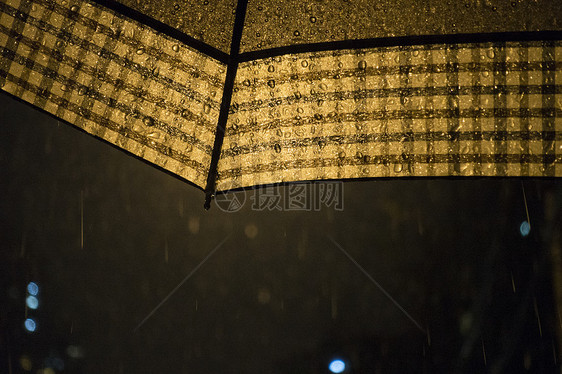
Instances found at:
x=278 y=296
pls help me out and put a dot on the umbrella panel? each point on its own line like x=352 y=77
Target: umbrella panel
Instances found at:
x=116 y=79
x=475 y=109
x=286 y=23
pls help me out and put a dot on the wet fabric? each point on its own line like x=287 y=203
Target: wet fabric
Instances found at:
x=114 y=78
x=147 y=82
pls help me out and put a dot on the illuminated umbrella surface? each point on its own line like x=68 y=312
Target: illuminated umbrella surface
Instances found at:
x=230 y=95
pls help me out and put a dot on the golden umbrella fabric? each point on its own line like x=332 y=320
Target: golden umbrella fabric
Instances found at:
x=230 y=95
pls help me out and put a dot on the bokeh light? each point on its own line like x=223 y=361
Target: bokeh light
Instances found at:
x=32 y=302
x=26 y=363
x=525 y=228
x=33 y=288
x=337 y=366
x=30 y=325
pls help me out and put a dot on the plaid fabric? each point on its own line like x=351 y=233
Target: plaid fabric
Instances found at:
x=489 y=109
x=114 y=78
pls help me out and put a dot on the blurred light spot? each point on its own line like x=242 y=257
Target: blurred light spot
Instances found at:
x=337 y=366
x=74 y=351
x=525 y=228
x=46 y=371
x=193 y=225
x=54 y=362
x=264 y=296
x=33 y=288
x=251 y=230
x=30 y=325
x=25 y=363
x=32 y=302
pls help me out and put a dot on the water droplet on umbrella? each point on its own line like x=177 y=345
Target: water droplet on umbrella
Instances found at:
x=313 y=19
x=82 y=91
x=341 y=154
x=64 y=88
x=271 y=68
x=490 y=53
x=206 y=108
x=59 y=43
x=297 y=33
x=304 y=63
x=74 y=8
x=140 y=51
x=271 y=83
x=277 y=148
x=416 y=53
x=362 y=65
x=323 y=86
x=176 y=48
x=148 y=121
x=397 y=168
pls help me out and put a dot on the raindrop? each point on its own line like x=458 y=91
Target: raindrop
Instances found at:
x=277 y=148
x=176 y=48
x=490 y=53
x=304 y=63
x=362 y=65
x=74 y=8
x=140 y=51
x=297 y=33
x=271 y=68
x=416 y=53
x=397 y=168
x=271 y=83
x=313 y=19
x=148 y=121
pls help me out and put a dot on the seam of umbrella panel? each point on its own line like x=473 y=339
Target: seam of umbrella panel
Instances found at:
x=471 y=109
x=115 y=79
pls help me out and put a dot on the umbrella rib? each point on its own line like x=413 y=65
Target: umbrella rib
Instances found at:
x=400 y=41
x=165 y=29
x=226 y=98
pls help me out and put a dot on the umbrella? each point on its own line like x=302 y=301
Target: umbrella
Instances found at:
x=232 y=95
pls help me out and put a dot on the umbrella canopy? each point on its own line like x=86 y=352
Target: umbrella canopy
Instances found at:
x=231 y=95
